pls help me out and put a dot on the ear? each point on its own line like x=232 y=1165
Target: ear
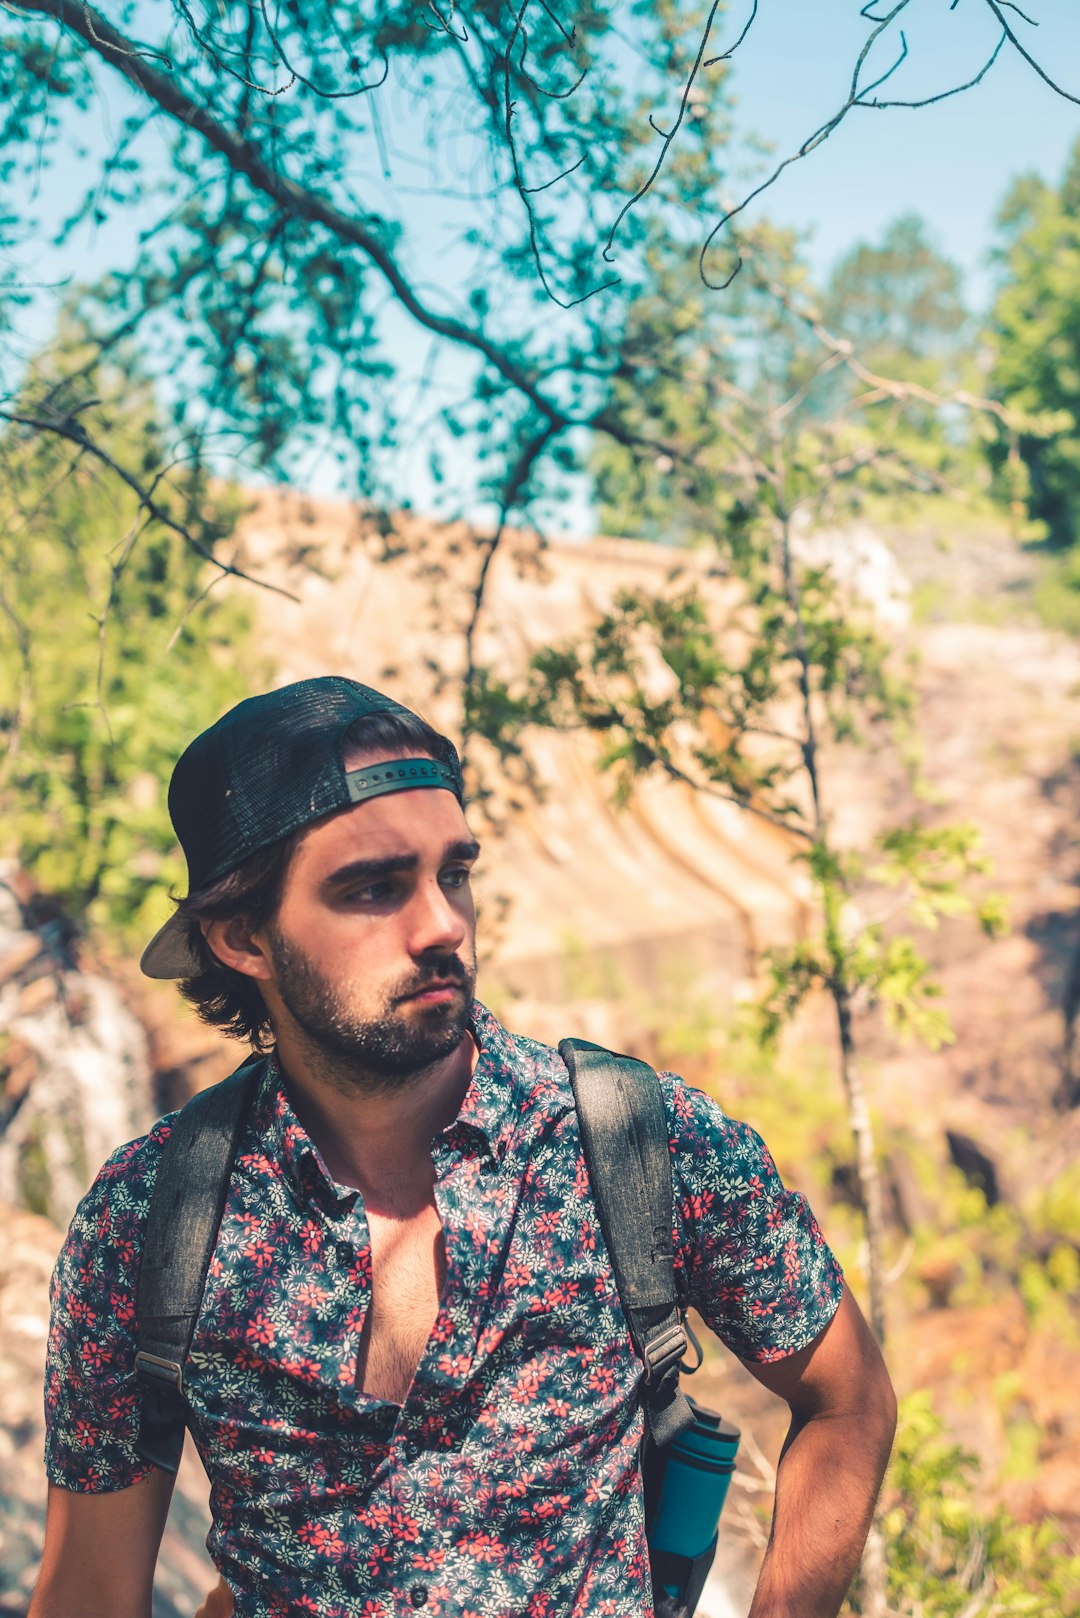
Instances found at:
x=237 y=946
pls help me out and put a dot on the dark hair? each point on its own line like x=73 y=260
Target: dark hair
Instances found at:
x=228 y=999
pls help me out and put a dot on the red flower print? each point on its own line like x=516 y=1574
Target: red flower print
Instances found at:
x=260 y=1329
x=482 y=1547
x=260 y=1252
x=94 y=1355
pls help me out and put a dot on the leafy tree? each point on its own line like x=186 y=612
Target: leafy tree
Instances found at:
x=898 y=300
x=949 y=1557
x=1035 y=332
x=268 y=155
x=106 y=670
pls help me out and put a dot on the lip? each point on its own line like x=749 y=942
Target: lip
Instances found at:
x=435 y=993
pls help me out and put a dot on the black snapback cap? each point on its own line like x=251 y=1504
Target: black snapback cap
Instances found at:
x=268 y=767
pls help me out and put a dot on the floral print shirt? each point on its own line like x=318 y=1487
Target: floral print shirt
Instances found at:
x=508 y=1484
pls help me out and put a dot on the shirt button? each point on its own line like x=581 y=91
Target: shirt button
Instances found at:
x=344 y=1253
x=418 y=1595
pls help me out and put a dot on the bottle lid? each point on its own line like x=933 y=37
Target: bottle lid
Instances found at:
x=707 y=1418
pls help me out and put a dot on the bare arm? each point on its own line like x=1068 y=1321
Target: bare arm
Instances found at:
x=843 y=1416
x=101 y=1550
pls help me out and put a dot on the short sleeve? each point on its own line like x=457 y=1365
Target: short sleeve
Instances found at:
x=91 y=1396
x=749 y=1254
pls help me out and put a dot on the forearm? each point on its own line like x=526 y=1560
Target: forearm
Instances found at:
x=827 y=1482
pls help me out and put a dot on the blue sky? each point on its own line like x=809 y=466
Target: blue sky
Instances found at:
x=950 y=162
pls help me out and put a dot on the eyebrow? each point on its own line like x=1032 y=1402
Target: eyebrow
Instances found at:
x=367 y=870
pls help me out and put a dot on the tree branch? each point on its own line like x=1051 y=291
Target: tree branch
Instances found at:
x=242 y=155
x=1026 y=54
x=67 y=427
x=519 y=476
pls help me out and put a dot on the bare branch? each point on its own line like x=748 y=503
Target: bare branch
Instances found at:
x=534 y=190
x=241 y=78
x=516 y=482
x=943 y=95
x=524 y=191
x=709 y=789
x=807 y=146
x=725 y=56
x=843 y=351
x=1026 y=54
x=189 y=611
x=328 y=95
x=676 y=126
x=67 y=427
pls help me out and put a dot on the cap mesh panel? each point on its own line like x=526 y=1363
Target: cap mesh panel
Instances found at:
x=271 y=765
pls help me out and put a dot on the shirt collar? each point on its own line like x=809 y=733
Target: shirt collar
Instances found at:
x=487 y=1110
x=489 y=1107
x=288 y=1142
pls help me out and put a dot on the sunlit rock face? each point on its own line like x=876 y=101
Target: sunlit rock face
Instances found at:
x=76 y=1084
x=184 y=1573
x=76 y=1061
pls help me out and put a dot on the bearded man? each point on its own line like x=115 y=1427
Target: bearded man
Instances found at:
x=411 y=1380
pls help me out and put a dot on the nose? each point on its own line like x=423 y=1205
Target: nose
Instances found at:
x=436 y=922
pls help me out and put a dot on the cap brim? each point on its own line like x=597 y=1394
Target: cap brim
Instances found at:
x=168 y=954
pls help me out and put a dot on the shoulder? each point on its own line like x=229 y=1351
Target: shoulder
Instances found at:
x=701 y=1131
x=90 y=1395
x=106 y=1229
x=124 y=1185
x=132 y=1168
x=750 y=1256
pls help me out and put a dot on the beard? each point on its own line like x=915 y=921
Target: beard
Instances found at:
x=377 y=1054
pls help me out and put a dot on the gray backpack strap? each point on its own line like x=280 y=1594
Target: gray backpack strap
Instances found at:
x=624 y=1134
x=181 y=1230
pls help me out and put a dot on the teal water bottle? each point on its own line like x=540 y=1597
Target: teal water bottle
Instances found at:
x=683 y=1531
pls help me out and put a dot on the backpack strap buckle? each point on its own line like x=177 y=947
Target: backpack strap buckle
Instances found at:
x=662 y=1350
x=158 y=1372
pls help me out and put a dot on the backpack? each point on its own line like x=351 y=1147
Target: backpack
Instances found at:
x=625 y=1141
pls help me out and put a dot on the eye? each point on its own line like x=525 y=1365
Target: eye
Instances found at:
x=372 y=893
x=457 y=876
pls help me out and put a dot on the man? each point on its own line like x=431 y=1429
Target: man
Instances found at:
x=411 y=1381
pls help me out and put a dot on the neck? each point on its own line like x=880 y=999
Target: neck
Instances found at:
x=371 y=1135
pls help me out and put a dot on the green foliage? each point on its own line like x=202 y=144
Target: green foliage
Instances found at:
x=1026 y=1249
x=1057 y=1207
x=1056 y=596
x=932 y=864
x=950 y=1557
x=898 y=300
x=789 y=977
x=96 y=699
x=1035 y=332
x=286 y=239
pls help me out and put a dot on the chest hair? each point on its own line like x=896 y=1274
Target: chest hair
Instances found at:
x=408 y=1263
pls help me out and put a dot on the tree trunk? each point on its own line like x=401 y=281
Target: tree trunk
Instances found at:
x=873 y=1574
x=874 y=1570
x=865 y=1162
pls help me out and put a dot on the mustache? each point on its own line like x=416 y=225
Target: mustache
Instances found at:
x=447 y=968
